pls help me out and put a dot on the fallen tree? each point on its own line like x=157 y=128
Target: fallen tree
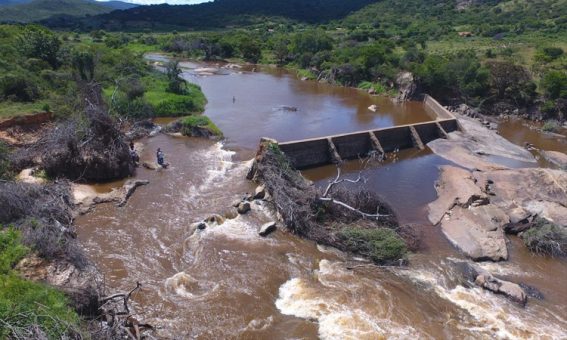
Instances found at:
x=358 y=221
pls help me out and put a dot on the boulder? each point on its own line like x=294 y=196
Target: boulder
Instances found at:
x=555 y=157
x=151 y=165
x=267 y=229
x=407 y=86
x=243 y=208
x=373 y=108
x=511 y=290
x=260 y=192
x=455 y=187
x=477 y=232
x=371 y=91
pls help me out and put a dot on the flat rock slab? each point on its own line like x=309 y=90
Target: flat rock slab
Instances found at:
x=539 y=191
x=477 y=147
x=455 y=187
x=477 y=232
x=555 y=157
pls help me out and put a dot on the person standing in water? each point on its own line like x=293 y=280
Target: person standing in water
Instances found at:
x=160 y=158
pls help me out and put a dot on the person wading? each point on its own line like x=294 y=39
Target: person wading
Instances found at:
x=161 y=158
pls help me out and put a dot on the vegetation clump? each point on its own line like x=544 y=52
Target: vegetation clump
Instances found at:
x=545 y=237
x=382 y=245
x=199 y=126
x=28 y=309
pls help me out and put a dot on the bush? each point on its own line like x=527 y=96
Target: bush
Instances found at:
x=5 y=172
x=11 y=250
x=382 y=245
x=551 y=126
x=19 y=88
x=545 y=237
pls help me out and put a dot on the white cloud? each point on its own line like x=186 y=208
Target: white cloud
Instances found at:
x=153 y=2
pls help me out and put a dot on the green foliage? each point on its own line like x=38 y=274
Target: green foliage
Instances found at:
x=37 y=42
x=5 y=173
x=25 y=303
x=554 y=84
x=551 y=126
x=42 y=9
x=176 y=83
x=382 y=245
x=84 y=65
x=200 y=121
x=377 y=87
x=11 y=250
x=545 y=237
x=250 y=50
x=16 y=87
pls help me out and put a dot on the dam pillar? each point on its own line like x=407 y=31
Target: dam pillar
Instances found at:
x=376 y=143
x=441 y=130
x=336 y=158
x=416 y=139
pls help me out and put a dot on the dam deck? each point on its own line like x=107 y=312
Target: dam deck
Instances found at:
x=308 y=153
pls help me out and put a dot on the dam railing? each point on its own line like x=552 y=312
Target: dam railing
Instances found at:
x=308 y=153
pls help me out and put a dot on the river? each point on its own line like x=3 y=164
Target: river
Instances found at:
x=226 y=282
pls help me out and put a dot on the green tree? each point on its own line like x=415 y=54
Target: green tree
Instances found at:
x=84 y=65
x=251 y=50
x=176 y=83
x=37 y=42
x=554 y=84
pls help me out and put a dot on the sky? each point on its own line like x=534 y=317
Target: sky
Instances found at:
x=172 y=2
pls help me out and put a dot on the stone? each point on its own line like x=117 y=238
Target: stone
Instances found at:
x=236 y=203
x=511 y=290
x=373 y=108
x=150 y=165
x=518 y=215
x=557 y=158
x=244 y=207
x=260 y=192
x=477 y=232
x=455 y=186
x=371 y=91
x=407 y=86
x=267 y=229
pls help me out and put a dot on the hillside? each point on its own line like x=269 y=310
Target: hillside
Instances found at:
x=217 y=14
x=29 y=11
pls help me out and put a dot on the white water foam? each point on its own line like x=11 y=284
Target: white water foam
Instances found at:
x=184 y=285
x=311 y=300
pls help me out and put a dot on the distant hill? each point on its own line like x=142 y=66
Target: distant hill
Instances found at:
x=29 y=11
x=217 y=14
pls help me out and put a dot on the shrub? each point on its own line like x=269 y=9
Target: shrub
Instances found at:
x=11 y=250
x=551 y=126
x=5 y=172
x=382 y=245
x=545 y=237
x=18 y=87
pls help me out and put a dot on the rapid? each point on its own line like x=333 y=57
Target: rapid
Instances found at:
x=226 y=282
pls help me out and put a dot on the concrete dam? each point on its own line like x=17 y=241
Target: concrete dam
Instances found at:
x=308 y=153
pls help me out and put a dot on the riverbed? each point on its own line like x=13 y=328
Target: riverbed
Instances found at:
x=227 y=282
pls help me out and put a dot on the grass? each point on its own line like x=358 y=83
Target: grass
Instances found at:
x=140 y=48
x=378 y=88
x=167 y=104
x=15 y=109
x=200 y=121
x=303 y=73
x=23 y=303
x=382 y=245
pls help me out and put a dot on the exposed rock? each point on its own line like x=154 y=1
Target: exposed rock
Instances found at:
x=407 y=86
x=477 y=232
x=556 y=157
x=28 y=176
x=538 y=191
x=236 y=203
x=511 y=290
x=373 y=108
x=81 y=285
x=260 y=192
x=86 y=199
x=151 y=166
x=477 y=147
x=267 y=229
x=455 y=187
x=371 y=91
x=243 y=208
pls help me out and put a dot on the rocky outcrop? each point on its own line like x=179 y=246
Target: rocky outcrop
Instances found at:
x=476 y=147
x=407 y=87
x=477 y=232
x=555 y=157
x=81 y=285
x=455 y=187
x=86 y=199
x=511 y=290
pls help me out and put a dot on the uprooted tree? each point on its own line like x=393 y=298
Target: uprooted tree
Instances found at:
x=89 y=146
x=357 y=221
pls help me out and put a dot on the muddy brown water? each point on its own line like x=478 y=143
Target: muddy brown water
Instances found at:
x=226 y=282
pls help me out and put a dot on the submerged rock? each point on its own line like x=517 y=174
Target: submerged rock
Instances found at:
x=511 y=290
x=267 y=229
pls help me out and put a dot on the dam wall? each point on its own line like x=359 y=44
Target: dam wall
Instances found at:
x=308 y=153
